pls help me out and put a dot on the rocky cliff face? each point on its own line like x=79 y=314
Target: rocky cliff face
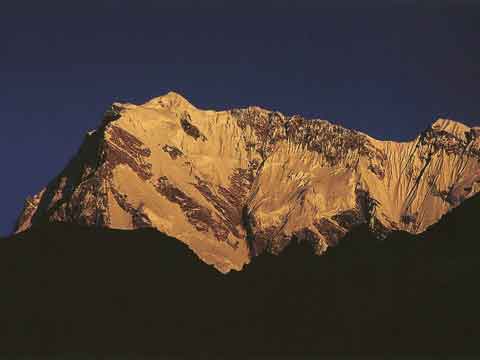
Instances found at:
x=233 y=184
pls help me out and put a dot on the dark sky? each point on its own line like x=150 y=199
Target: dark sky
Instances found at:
x=388 y=68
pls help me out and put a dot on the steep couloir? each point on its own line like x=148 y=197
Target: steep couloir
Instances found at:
x=233 y=184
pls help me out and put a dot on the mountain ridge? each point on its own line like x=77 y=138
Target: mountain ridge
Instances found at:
x=232 y=184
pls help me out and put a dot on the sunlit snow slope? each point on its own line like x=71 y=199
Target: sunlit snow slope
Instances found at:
x=232 y=184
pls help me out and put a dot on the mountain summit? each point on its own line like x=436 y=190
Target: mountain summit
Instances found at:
x=233 y=184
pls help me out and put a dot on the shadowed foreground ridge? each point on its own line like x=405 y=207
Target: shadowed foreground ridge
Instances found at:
x=71 y=288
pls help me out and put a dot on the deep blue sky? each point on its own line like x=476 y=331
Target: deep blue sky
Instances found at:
x=388 y=68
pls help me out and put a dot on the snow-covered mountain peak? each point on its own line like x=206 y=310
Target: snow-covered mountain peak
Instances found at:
x=451 y=126
x=233 y=184
x=171 y=100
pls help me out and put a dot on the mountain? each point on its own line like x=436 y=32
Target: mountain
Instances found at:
x=233 y=184
x=76 y=289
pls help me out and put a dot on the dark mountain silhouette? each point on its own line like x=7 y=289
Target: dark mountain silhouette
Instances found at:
x=67 y=288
